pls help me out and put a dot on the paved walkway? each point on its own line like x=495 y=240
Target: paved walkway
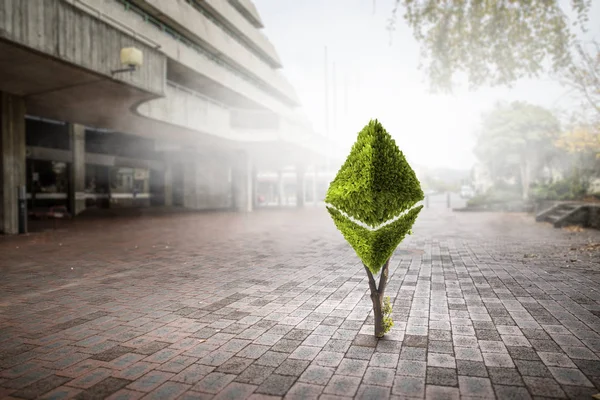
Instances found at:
x=274 y=304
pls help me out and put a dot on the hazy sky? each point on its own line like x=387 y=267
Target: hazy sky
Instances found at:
x=383 y=80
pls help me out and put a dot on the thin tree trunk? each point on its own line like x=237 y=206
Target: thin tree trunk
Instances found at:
x=525 y=179
x=377 y=294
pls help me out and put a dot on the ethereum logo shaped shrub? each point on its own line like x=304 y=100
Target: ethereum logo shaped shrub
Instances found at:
x=372 y=198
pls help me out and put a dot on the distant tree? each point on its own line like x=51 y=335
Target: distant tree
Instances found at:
x=373 y=202
x=517 y=137
x=583 y=76
x=581 y=139
x=494 y=42
x=582 y=144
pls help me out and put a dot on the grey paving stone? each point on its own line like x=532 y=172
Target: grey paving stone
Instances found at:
x=317 y=375
x=379 y=376
x=302 y=390
x=556 y=360
x=369 y=392
x=276 y=385
x=441 y=360
x=342 y=385
x=328 y=358
x=286 y=345
x=235 y=365
x=352 y=367
x=292 y=367
x=523 y=353
x=408 y=386
x=415 y=341
x=412 y=368
x=253 y=351
x=272 y=359
x=511 y=392
x=579 y=392
x=570 y=376
x=588 y=367
x=487 y=334
x=580 y=353
x=443 y=335
x=468 y=353
x=360 y=352
x=498 y=360
x=388 y=346
x=505 y=376
x=544 y=387
x=438 y=346
x=475 y=387
x=413 y=353
x=471 y=368
x=337 y=345
x=255 y=374
x=384 y=360
x=441 y=376
x=442 y=393
x=365 y=340
x=213 y=382
x=305 y=353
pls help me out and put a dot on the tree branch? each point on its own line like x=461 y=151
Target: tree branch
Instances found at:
x=383 y=277
x=371 y=280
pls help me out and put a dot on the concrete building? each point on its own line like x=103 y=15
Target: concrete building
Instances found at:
x=206 y=111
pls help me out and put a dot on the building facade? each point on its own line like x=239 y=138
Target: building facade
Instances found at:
x=192 y=126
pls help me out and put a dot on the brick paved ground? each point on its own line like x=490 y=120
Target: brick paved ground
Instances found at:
x=224 y=306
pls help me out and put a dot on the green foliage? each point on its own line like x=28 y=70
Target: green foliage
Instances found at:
x=516 y=140
x=571 y=188
x=374 y=248
x=388 y=323
x=374 y=185
x=496 y=195
x=494 y=42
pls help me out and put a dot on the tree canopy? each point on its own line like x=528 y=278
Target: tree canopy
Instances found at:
x=517 y=137
x=493 y=42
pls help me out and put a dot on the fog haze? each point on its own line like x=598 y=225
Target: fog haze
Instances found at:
x=384 y=81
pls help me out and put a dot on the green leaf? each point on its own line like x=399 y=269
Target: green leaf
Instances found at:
x=375 y=187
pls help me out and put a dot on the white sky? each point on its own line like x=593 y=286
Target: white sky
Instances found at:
x=384 y=82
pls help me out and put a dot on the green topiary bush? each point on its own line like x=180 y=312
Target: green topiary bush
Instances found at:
x=372 y=201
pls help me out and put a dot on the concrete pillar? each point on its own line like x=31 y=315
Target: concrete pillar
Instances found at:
x=299 y=186
x=243 y=180
x=280 y=189
x=190 y=195
x=77 y=175
x=254 y=187
x=168 y=185
x=13 y=164
x=314 y=186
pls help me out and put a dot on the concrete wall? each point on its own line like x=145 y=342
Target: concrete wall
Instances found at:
x=186 y=18
x=184 y=54
x=58 y=29
x=232 y=17
x=77 y=165
x=248 y=9
x=185 y=108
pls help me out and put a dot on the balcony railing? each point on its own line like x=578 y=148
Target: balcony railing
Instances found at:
x=191 y=44
x=230 y=32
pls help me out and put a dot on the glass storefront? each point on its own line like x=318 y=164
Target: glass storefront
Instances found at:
x=47 y=184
